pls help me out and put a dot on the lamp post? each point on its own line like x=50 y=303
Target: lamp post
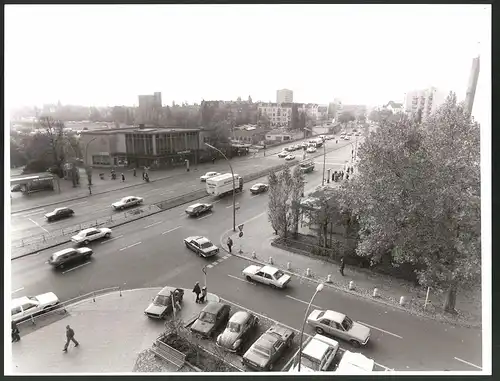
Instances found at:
x=324 y=154
x=234 y=183
x=87 y=166
x=318 y=289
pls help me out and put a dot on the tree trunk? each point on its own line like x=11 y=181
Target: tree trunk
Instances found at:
x=450 y=301
x=325 y=235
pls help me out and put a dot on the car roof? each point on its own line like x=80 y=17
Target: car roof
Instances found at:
x=165 y=291
x=202 y=239
x=19 y=301
x=194 y=205
x=63 y=252
x=315 y=349
x=269 y=269
x=63 y=208
x=258 y=185
x=240 y=317
x=87 y=230
x=213 y=307
x=334 y=316
x=352 y=362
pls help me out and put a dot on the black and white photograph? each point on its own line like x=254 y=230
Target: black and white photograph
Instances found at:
x=226 y=189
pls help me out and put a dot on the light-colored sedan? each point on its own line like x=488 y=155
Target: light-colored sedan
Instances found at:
x=267 y=275
x=283 y=154
x=311 y=150
x=290 y=157
x=201 y=246
x=91 y=234
x=339 y=325
x=127 y=202
x=22 y=308
x=208 y=175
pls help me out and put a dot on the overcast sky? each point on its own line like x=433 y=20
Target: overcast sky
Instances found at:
x=107 y=55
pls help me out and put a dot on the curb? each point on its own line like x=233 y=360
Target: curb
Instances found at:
x=411 y=312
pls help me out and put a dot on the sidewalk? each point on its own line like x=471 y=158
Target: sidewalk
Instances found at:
x=258 y=236
x=112 y=332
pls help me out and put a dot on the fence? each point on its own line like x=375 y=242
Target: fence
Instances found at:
x=61 y=308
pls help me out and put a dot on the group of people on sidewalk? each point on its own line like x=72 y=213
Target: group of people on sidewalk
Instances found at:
x=201 y=293
x=70 y=336
x=340 y=175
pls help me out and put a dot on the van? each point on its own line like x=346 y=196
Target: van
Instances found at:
x=66 y=256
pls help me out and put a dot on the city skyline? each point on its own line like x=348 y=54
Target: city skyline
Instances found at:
x=116 y=74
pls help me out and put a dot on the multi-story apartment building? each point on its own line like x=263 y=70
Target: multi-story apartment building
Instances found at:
x=149 y=109
x=280 y=115
x=427 y=100
x=284 y=96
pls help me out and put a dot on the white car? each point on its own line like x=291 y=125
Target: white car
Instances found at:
x=304 y=144
x=22 y=308
x=208 y=175
x=201 y=246
x=267 y=275
x=127 y=202
x=355 y=363
x=311 y=150
x=290 y=157
x=347 y=137
x=318 y=355
x=91 y=234
x=283 y=154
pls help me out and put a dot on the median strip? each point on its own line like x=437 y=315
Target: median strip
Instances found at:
x=301 y=301
x=381 y=330
x=77 y=267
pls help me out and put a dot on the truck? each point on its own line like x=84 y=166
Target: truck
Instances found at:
x=223 y=184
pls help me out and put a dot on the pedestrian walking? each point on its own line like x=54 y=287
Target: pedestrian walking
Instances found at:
x=123 y=178
x=334 y=176
x=15 y=332
x=203 y=294
x=197 y=291
x=135 y=172
x=70 y=336
x=342 y=266
x=90 y=189
x=229 y=244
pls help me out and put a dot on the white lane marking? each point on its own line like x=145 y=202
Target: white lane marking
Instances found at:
x=33 y=214
x=164 y=193
x=301 y=301
x=109 y=240
x=182 y=214
x=156 y=223
x=208 y=215
x=379 y=329
x=79 y=203
x=171 y=230
x=226 y=256
x=216 y=201
x=383 y=366
x=28 y=212
x=77 y=267
x=241 y=280
x=128 y=247
x=19 y=289
x=237 y=205
x=468 y=363
x=37 y=224
x=210 y=266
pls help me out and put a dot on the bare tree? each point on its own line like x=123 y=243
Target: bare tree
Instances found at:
x=54 y=129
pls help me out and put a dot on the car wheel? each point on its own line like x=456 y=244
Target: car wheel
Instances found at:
x=86 y=242
x=355 y=344
x=107 y=235
x=320 y=330
x=61 y=266
x=249 y=279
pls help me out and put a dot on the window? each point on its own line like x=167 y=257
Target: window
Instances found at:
x=16 y=310
x=28 y=306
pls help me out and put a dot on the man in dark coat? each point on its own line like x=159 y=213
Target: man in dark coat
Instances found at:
x=342 y=266
x=229 y=244
x=197 y=291
x=70 y=336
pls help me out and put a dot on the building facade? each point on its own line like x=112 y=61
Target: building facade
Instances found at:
x=284 y=96
x=150 y=108
x=427 y=100
x=140 y=146
x=279 y=114
x=249 y=134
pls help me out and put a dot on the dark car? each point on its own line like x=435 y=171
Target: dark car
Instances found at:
x=259 y=188
x=68 y=256
x=197 y=209
x=161 y=305
x=268 y=348
x=237 y=330
x=59 y=213
x=210 y=318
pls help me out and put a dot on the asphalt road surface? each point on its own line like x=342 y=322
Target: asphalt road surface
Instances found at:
x=150 y=252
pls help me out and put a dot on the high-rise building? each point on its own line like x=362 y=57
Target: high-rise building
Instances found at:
x=284 y=96
x=427 y=100
x=472 y=85
x=149 y=108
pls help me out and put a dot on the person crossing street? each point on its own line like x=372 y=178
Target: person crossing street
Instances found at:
x=70 y=336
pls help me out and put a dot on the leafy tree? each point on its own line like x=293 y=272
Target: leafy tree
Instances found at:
x=263 y=119
x=417 y=196
x=275 y=202
x=17 y=157
x=295 y=117
x=297 y=191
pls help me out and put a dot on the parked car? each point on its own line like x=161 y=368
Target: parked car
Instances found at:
x=318 y=355
x=268 y=348
x=208 y=175
x=199 y=208
x=290 y=157
x=259 y=188
x=23 y=308
x=161 y=305
x=238 y=328
x=304 y=144
x=201 y=246
x=267 y=275
x=347 y=137
x=59 y=213
x=283 y=154
x=354 y=363
x=91 y=234
x=339 y=325
x=127 y=202
x=311 y=150
x=70 y=255
x=211 y=318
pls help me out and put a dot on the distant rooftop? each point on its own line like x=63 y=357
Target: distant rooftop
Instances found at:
x=137 y=129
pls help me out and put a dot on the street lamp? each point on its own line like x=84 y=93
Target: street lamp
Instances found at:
x=324 y=154
x=318 y=289
x=234 y=183
x=87 y=167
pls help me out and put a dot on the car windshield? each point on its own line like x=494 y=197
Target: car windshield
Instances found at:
x=161 y=300
x=190 y=208
x=320 y=315
x=262 y=350
x=33 y=298
x=207 y=317
x=347 y=324
x=278 y=274
x=206 y=245
x=234 y=327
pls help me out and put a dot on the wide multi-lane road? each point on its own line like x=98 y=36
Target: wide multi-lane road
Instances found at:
x=150 y=252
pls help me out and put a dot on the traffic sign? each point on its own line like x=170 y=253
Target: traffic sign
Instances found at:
x=240 y=227
x=240 y=235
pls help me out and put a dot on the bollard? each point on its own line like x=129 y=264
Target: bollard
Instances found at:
x=289 y=265
x=308 y=272
x=329 y=279
x=93 y=297
x=402 y=301
x=120 y=291
x=351 y=285
x=375 y=292
x=271 y=260
x=254 y=256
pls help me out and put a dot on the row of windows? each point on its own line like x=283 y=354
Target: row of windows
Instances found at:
x=165 y=143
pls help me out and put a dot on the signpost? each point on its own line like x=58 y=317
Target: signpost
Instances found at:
x=204 y=269
x=240 y=227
